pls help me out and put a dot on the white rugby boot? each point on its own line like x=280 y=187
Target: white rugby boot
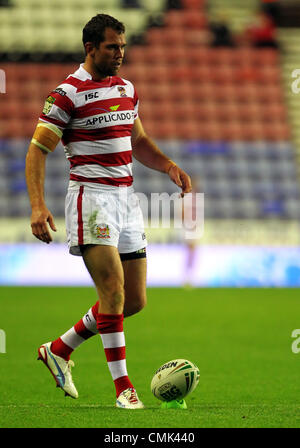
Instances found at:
x=59 y=368
x=129 y=399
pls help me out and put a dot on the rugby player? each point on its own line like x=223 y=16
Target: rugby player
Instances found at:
x=95 y=114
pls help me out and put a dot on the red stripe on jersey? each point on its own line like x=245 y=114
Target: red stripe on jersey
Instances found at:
x=103 y=106
x=79 y=216
x=90 y=84
x=78 y=135
x=114 y=181
x=58 y=123
x=115 y=354
x=75 y=82
x=112 y=159
x=110 y=82
x=63 y=102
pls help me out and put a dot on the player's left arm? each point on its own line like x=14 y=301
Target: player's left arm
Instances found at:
x=148 y=153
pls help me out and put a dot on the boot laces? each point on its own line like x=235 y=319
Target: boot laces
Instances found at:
x=131 y=395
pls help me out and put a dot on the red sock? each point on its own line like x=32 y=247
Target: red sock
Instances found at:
x=110 y=327
x=95 y=309
x=59 y=348
x=80 y=332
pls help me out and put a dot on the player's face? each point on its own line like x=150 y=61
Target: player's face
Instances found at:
x=109 y=55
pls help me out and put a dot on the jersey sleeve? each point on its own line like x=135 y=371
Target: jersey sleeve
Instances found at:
x=59 y=106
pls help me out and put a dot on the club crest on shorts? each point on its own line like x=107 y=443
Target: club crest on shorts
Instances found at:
x=102 y=231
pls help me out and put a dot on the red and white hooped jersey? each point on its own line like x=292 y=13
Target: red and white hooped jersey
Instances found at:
x=96 y=118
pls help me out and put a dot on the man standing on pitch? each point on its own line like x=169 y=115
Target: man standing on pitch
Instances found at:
x=95 y=113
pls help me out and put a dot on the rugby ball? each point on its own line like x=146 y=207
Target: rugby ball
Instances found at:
x=175 y=380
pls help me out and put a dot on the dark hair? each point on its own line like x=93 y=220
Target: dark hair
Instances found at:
x=94 y=30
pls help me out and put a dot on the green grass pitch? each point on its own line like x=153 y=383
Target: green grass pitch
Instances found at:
x=239 y=338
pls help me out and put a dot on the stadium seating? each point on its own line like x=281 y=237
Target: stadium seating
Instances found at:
x=53 y=26
x=220 y=113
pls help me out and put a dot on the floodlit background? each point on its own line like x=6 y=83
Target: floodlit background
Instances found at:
x=219 y=94
x=219 y=90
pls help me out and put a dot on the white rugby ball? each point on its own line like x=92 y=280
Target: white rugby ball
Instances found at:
x=175 y=380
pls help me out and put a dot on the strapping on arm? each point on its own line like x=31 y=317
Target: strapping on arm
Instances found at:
x=46 y=136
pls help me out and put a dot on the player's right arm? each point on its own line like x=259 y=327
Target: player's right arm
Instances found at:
x=54 y=118
x=45 y=139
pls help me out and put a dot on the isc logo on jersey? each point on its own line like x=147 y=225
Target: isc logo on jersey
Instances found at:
x=111 y=118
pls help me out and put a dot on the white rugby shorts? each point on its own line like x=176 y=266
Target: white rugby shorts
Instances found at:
x=104 y=216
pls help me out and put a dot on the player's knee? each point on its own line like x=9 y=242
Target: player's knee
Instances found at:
x=141 y=303
x=135 y=306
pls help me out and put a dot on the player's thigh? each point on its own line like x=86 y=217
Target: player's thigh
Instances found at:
x=104 y=265
x=135 y=276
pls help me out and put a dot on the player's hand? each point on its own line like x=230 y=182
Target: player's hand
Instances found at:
x=181 y=179
x=40 y=219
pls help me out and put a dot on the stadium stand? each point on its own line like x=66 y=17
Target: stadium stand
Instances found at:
x=221 y=113
x=290 y=63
